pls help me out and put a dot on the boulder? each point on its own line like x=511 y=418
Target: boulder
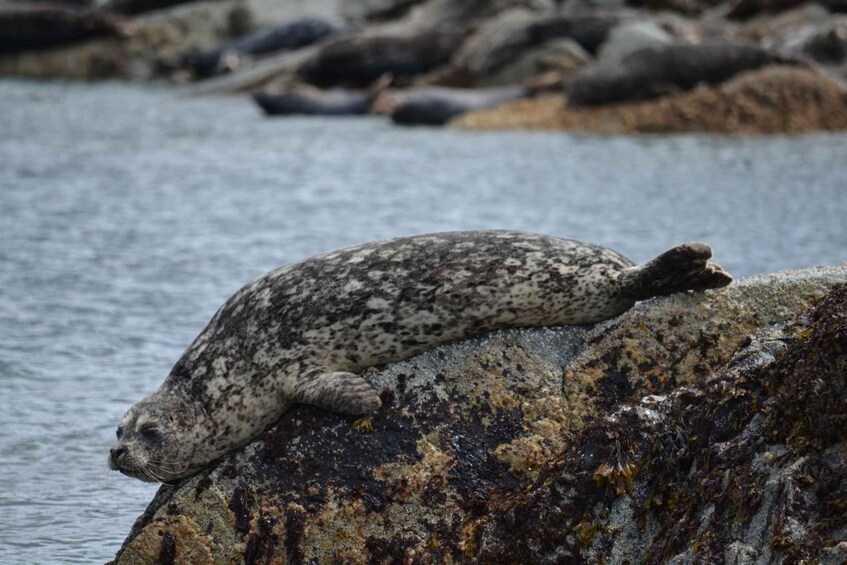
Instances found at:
x=432 y=15
x=152 y=39
x=272 y=12
x=510 y=36
x=628 y=37
x=824 y=42
x=773 y=100
x=540 y=445
x=766 y=26
x=561 y=56
x=749 y=465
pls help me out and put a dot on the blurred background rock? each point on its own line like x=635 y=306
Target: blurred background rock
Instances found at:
x=598 y=53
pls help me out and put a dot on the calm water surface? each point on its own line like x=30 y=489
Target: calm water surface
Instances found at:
x=129 y=214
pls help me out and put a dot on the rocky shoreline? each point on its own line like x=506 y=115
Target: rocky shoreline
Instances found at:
x=705 y=427
x=616 y=66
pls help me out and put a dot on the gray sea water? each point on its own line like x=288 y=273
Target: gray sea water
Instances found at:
x=129 y=214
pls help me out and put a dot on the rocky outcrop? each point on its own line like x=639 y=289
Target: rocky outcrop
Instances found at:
x=645 y=436
x=772 y=100
x=748 y=466
x=31 y=26
x=150 y=40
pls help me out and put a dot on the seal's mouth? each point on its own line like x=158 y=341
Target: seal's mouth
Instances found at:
x=131 y=471
x=137 y=474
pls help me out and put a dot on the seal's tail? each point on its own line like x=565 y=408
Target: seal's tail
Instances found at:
x=685 y=267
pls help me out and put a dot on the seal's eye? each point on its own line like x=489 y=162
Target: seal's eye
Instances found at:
x=150 y=432
x=119 y=432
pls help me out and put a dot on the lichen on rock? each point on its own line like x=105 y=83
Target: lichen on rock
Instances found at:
x=567 y=445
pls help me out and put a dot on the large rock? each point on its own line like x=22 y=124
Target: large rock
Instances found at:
x=564 y=57
x=435 y=14
x=153 y=38
x=628 y=37
x=504 y=39
x=747 y=466
x=481 y=446
x=824 y=42
x=785 y=23
x=773 y=100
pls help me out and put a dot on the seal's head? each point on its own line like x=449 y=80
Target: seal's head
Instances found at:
x=151 y=440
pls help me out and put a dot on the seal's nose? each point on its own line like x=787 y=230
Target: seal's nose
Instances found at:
x=116 y=452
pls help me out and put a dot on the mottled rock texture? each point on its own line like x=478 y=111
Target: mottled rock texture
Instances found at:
x=689 y=426
x=776 y=99
x=149 y=40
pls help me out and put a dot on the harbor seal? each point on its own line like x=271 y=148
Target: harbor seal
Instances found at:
x=437 y=105
x=303 y=332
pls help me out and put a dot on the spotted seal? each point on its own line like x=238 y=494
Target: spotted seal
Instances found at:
x=303 y=332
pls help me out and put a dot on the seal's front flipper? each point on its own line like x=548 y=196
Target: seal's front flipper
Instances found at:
x=339 y=391
x=685 y=267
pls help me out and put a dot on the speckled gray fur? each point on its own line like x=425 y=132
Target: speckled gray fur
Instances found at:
x=301 y=333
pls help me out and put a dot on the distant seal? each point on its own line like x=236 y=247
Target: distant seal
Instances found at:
x=303 y=332
x=287 y=36
x=437 y=105
x=656 y=71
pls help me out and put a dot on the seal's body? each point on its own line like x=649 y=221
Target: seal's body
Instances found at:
x=301 y=333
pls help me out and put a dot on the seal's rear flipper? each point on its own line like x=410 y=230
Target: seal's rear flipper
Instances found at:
x=339 y=391
x=685 y=267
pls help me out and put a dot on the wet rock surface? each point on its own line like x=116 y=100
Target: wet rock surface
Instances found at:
x=705 y=422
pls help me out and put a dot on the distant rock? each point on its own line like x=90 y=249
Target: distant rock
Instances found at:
x=362 y=58
x=562 y=445
x=513 y=34
x=628 y=37
x=765 y=26
x=365 y=11
x=564 y=57
x=772 y=100
x=825 y=42
x=152 y=39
